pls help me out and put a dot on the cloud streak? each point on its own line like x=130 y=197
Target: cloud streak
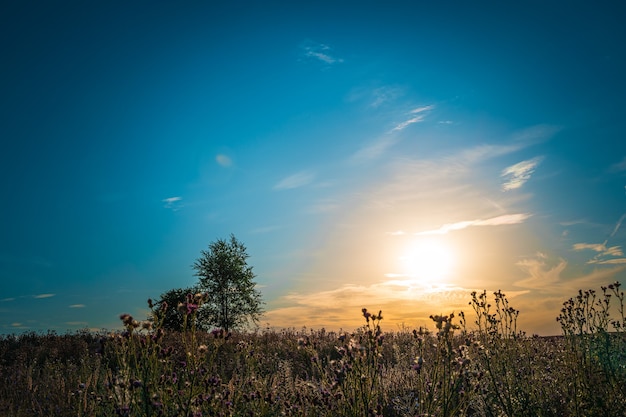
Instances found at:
x=618 y=224
x=548 y=276
x=506 y=219
x=416 y=115
x=375 y=149
x=297 y=180
x=606 y=255
x=386 y=141
x=517 y=175
x=172 y=203
x=319 y=52
x=39 y=296
x=611 y=255
x=540 y=274
x=383 y=95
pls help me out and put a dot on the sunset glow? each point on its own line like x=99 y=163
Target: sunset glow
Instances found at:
x=389 y=155
x=428 y=261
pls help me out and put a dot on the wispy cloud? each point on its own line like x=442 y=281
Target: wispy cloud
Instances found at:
x=618 y=224
x=384 y=95
x=506 y=219
x=547 y=276
x=446 y=182
x=415 y=116
x=376 y=97
x=43 y=295
x=535 y=134
x=613 y=261
x=172 y=203
x=540 y=274
x=77 y=306
x=8 y=299
x=224 y=160
x=597 y=247
x=484 y=152
x=389 y=139
x=517 y=175
x=375 y=149
x=319 y=52
x=606 y=255
x=297 y=180
x=619 y=166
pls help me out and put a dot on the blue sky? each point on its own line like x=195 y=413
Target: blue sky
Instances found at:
x=389 y=155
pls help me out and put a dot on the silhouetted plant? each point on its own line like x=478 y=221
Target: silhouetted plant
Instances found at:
x=596 y=344
x=487 y=368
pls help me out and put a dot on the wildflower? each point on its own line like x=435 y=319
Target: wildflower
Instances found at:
x=202 y=349
x=302 y=342
x=366 y=314
x=417 y=364
x=158 y=335
x=127 y=319
x=340 y=350
x=200 y=298
x=191 y=308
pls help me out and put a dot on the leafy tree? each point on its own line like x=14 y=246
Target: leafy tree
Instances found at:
x=227 y=279
x=167 y=309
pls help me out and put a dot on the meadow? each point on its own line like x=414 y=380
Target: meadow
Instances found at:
x=475 y=363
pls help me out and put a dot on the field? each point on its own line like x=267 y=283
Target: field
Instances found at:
x=473 y=364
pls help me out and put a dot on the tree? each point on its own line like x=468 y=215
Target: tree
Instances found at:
x=228 y=281
x=167 y=310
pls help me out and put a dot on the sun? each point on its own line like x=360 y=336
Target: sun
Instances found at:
x=428 y=261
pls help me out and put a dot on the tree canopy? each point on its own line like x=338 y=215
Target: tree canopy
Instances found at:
x=228 y=281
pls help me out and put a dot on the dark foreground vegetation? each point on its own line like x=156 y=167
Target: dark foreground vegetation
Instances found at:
x=480 y=367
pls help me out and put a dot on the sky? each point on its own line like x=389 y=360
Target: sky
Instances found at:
x=389 y=155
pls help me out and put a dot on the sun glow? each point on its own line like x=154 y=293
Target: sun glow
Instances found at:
x=428 y=261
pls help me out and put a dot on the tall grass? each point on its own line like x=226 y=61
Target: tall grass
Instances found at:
x=477 y=364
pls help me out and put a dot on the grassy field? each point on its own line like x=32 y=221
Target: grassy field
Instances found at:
x=475 y=364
